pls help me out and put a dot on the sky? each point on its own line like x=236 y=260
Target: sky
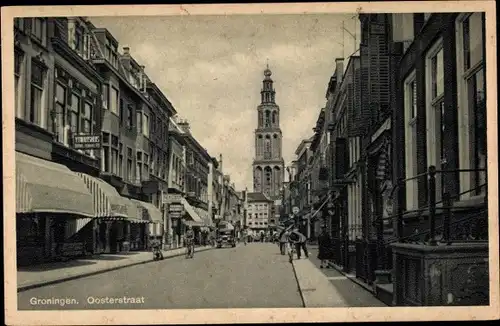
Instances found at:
x=211 y=70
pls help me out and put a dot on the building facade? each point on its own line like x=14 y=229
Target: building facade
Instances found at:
x=258 y=213
x=268 y=164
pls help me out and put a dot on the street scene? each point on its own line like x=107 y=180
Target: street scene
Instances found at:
x=189 y=162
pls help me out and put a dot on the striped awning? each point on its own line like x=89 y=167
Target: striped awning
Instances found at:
x=204 y=216
x=44 y=186
x=191 y=212
x=107 y=202
x=151 y=213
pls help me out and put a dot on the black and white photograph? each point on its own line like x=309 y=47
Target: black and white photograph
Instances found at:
x=165 y=159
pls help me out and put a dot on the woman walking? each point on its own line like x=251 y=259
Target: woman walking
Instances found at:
x=324 y=242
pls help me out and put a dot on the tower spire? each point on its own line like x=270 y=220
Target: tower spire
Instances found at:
x=267 y=63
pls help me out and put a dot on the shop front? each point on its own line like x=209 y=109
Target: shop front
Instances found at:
x=149 y=227
x=190 y=218
x=52 y=204
x=114 y=216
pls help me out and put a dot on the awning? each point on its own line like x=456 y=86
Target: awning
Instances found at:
x=193 y=223
x=107 y=201
x=204 y=216
x=44 y=186
x=153 y=213
x=191 y=212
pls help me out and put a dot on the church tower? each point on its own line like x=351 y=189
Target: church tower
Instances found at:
x=268 y=164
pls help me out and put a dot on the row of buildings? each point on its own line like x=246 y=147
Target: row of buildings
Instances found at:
x=396 y=167
x=103 y=164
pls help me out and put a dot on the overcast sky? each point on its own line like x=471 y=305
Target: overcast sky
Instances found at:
x=211 y=69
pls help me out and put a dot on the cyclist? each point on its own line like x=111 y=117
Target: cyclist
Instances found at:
x=190 y=241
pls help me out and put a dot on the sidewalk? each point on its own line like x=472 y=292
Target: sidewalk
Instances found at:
x=30 y=277
x=328 y=287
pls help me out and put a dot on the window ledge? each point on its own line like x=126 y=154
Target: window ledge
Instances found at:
x=473 y=201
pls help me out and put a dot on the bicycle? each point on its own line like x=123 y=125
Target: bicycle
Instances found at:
x=189 y=249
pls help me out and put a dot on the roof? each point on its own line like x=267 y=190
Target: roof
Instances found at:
x=257 y=196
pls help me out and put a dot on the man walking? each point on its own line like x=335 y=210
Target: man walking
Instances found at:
x=300 y=242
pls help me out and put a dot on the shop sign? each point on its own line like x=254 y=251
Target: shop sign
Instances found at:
x=172 y=198
x=86 y=141
x=175 y=214
x=175 y=208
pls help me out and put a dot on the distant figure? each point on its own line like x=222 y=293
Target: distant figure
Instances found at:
x=324 y=242
x=261 y=236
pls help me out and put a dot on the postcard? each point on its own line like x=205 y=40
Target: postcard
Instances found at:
x=223 y=163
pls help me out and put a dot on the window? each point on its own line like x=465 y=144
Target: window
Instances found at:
x=38 y=30
x=120 y=171
x=36 y=112
x=105 y=96
x=138 y=167
x=105 y=152
x=114 y=154
x=113 y=104
x=138 y=115
x=471 y=102
x=130 y=165
x=130 y=116
x=122 y=111
x=18 y=80
x=145 y=172
x=145 y=125
x=78 y=41
x=268 y=119
x=410 y=102
x=111 y=53
x=73 y=114
x=60 y=104
x=86 y=119
x=435 y=113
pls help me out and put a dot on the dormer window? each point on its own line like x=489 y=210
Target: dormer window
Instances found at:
x=111 y=53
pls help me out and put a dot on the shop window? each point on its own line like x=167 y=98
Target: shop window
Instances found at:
x=471 y=102
x=410 y=104
x=435 y=113
x=36 y=112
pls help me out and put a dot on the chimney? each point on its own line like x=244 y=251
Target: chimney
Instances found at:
x=126 y=50
x=339 y=69
x=220 y=162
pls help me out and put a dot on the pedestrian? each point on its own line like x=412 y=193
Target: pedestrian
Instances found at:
x=324 y=242
x=300 y=242
x=261 y=236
